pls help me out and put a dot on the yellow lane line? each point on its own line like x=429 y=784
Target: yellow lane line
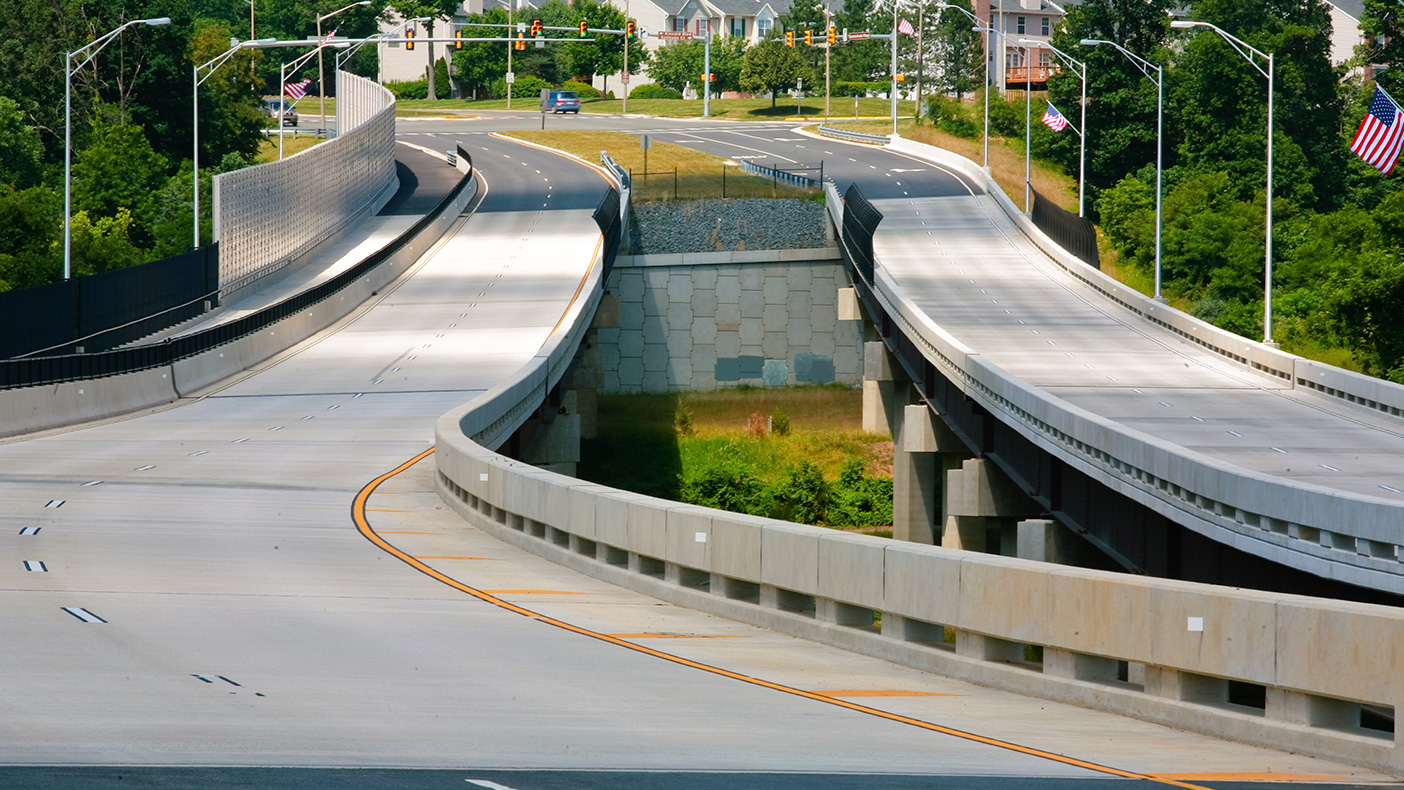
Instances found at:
x=675 y=636
x=1251 y=776
x=883 y=693
x=358 y=516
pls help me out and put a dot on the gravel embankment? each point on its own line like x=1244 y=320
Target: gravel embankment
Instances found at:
x=663 y=227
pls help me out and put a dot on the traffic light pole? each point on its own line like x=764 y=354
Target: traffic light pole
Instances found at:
x=707 y=74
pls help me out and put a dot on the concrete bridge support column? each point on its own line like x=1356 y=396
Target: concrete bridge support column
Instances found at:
x=884 y=389
x=982 y=509
x=586 y=379
x=556 y=444
x=923 y=451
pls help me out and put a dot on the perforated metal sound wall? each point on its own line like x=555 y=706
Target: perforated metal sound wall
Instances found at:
x=266 y=216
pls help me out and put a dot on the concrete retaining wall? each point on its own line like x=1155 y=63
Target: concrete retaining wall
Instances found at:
x=1159 y=650
x=706 y=320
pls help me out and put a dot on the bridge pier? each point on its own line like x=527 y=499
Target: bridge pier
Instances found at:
x=983 y=508
x=924 y=450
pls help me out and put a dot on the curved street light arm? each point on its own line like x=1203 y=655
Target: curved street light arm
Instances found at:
x=1248 y=51
x=1141 y=63
x=97 y=44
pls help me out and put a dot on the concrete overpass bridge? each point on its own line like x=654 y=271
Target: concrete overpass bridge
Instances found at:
x=203 y=598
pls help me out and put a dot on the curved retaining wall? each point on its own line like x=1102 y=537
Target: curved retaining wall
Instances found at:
x=265 y=217
x=1350 y=537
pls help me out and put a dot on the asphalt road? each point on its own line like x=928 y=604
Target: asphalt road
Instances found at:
x=186 y=587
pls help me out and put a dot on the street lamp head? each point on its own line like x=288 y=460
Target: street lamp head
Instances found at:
x=157 y=22
x=1091 y=42
x=1029 y=41
x=1184 y=23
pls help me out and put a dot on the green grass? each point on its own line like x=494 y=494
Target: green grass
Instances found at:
x=640 y=448
x=699 y=175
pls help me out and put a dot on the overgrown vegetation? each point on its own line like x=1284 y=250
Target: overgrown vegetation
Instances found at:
x=796 y=454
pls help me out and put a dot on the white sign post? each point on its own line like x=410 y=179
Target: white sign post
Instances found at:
x=645 y=142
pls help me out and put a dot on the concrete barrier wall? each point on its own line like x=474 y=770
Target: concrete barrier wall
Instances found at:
x=39 y=408
x=267 y=216
x=1354 y=538
x=1159 y=650
x=701 y=321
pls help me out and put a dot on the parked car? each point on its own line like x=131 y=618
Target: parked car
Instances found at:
x=270 y=108
x=563 y=101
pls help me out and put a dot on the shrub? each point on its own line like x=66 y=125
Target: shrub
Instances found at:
x=804 y=497
x=727 y=488
x=654 y=91
x=682 y=420
x=527 y=86
x=413 y=89
x=581 y=89
x=858 y=500
x=952 y=116
x=780 y=422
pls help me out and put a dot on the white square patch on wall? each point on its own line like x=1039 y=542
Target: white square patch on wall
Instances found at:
x=1196 y=624
x=701 y=537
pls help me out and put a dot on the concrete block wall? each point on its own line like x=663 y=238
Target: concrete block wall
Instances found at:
x=712 y=320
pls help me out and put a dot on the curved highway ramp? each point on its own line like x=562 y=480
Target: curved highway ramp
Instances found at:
x=188 y=587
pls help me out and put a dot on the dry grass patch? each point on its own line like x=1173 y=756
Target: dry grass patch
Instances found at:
x=268 y=149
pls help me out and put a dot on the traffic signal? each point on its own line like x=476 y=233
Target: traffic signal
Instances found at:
x=833 y=36
x=536 y=29
x=789 y=38
x=409 y=45
x=584 y=29
x=629 y=29
x=809 y=38
x=520 y=43
x=458 y=39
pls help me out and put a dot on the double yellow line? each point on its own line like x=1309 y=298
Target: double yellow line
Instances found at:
x=358 y=515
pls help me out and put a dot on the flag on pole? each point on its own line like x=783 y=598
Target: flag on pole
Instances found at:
x=1381 y=133
x=324 y=41
x=1054 y=119
x=906 y=27
x=297 y=89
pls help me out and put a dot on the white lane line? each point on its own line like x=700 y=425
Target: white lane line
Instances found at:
x=199 y=452
x=1235 y=433
x=487 y=784
x=310 y=417
x=1392 y=489
x=35 y=565
x=1166 y=405
x=146 y=468
x=30 y=530
x=55 y=503
x=91 y=483
x=1328 y=467
x=83 y=614
x=357 y=395
x=1278 y=450
x=1197 y=419
x=240 y=441
x=276 y=428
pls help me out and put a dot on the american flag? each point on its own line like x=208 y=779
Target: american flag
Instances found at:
x=906 y=27
x=324 y=41
x=1054 y=119
x=1381 y=134
x=297 y=89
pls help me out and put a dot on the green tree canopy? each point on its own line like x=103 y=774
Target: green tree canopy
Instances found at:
x=770 y=67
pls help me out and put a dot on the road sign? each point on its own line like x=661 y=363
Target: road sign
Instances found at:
x=645 y=142
x=511 y=77
x=624 y=78
x=859 y=35
x=682 y=35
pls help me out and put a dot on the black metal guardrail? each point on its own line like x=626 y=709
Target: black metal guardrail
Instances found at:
x=36 y=371
x=619 y=172
x=1069 y=231
x=607 y=216
x=860 y=221
x=101 y=311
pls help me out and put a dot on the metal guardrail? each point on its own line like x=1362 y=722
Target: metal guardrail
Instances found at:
x=35 y=371
x=856 y=137
x=619 y=172
x=788 y=176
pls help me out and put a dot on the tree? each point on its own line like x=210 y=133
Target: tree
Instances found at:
x=480 y=63
x=20 y=148
x=858 y=61
x=605 y=55
x=770 y=66
x=728 y=57
x=119 y=171
x=958 y=53
x=806 y=15
x=678 y=64
x=1121 y=113
x=435 y=10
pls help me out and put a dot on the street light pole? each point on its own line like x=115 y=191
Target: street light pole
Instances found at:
x=92 y=50
x=1159 y=79
x=321 y=70
x=988 y=31
x=1248 y=52
x=894 y=67
x=209 y=67
x=1082 y=130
